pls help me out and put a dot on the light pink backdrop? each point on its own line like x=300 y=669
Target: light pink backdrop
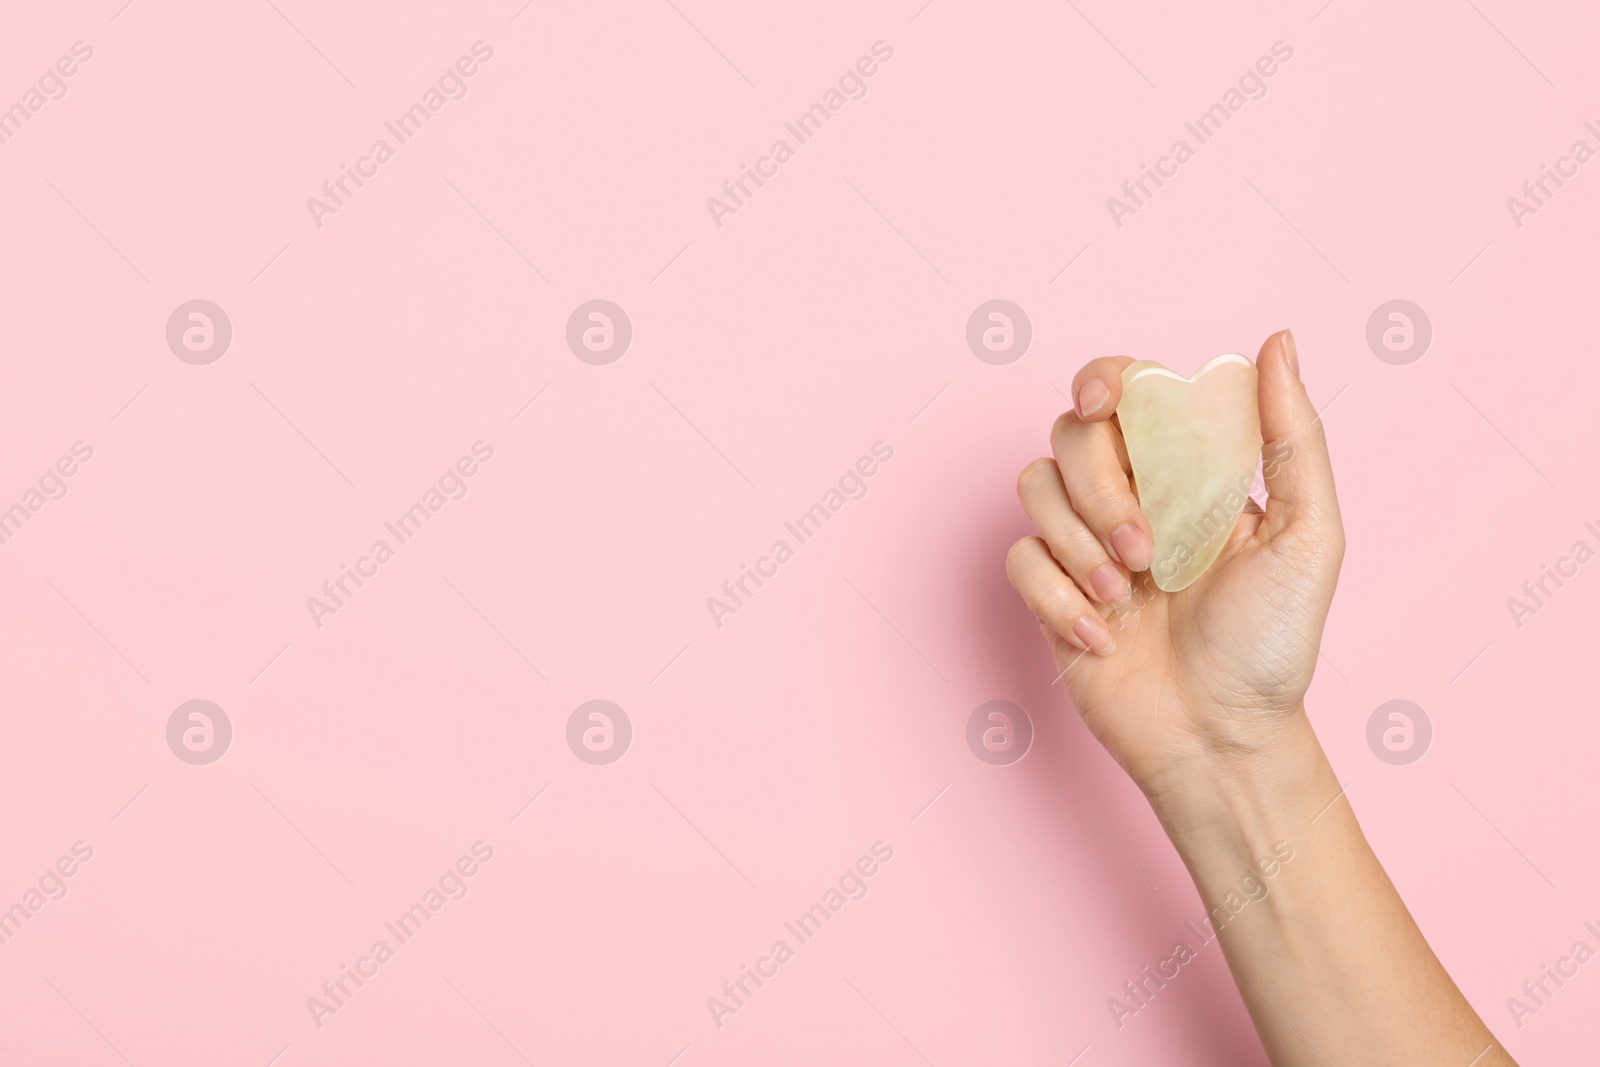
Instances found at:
x=768 y=354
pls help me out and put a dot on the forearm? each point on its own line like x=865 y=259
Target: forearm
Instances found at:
x=1329 y=961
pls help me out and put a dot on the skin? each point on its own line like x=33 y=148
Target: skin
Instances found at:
x=1199 y=695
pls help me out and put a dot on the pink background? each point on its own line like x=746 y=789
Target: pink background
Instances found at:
x=768 y=354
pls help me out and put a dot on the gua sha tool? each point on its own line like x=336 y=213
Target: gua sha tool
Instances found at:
x=1193 y=444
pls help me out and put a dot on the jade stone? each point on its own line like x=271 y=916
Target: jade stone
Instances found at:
x=1193 y=444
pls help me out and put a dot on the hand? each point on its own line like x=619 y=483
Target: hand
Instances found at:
x=1177 y=685
x=1198 y=694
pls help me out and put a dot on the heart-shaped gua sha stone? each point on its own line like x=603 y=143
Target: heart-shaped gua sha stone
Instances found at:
x=1193 y=444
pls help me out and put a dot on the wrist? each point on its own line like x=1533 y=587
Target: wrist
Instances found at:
x=1235 y=803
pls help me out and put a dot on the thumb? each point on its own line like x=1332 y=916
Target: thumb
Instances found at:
x=1294 y=450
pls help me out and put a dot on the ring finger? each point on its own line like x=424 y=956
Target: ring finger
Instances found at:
x=1074 y=545
x=1052 y=596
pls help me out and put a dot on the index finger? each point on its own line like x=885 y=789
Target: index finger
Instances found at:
x=1097 y=389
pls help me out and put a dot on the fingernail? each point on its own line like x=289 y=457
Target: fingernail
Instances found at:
x=1093 y=633
x=1132 y=547
x=1290 y=353
x=1092 y=397
x=1109 y=584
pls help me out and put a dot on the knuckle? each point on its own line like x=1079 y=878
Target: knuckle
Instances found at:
x=1314 y=433
x=1061 y=603
x=1104 y=490
x=1035 y=476
x=1016 y=555
x=1066 y=423
x=1079 y=552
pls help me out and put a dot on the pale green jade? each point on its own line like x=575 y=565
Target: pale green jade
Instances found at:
x=1193 y=444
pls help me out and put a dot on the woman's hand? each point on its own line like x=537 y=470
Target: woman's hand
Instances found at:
x=1180 y=685
x=1198 y=695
